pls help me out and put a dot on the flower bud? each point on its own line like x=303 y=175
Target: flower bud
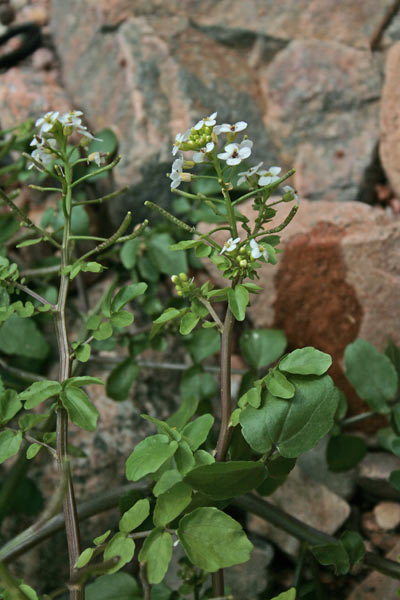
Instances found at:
x=183 y=277
x=174 y=278
x=243 y=263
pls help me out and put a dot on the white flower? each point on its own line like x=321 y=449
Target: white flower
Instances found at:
x=227 y=128
x=46 y=122
x=176 y=173
x=71 y=118
x=83 y=131
x=208 y=121
x=97 y=157
x=199 y=157
x=41 y=156
x=235 y=153
x=230 y=245
x=179 y=139
x=270 y=177
x=288 y=189
x=247 y=174
x=255 y=249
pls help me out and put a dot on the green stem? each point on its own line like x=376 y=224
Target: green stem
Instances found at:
x=108 y=167
x=170 y=217
x=102 y=198
x=33 y=294
x=11 y=585
x=20 y=374
x=71 y=519
x=266 y=187
x=228 y=204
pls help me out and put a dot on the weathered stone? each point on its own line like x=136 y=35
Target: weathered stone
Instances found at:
x=387 y=515
x=297 y=497
x=313 y=464
x=377 y=585
x=373 y=474
x=26 y=94
x=322 y=102
x=166 y=74
x=389 y=147
x=349 y=23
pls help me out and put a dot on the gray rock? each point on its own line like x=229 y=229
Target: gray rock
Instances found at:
x=297 y=497
x=313 y=464
x=373 y=473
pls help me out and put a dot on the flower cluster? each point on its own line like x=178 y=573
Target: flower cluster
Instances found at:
x=53 y=128
x=182 y=284
x=203 y=140
x=243 y=255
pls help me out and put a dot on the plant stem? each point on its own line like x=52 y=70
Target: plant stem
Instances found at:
x=226 y=348
x=33 y=294
x=144 y=581
x=71 y=519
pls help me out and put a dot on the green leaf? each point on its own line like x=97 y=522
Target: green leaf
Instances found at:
x=129 y=253
x=185 y=245
x=121 y=379
x=31 y=242
x=118 y=586
x=127 y=294
x=188 y=323
x=122 y=318
x=171 y=503
x=184 y=458
x=80 y=410
x=279 y=385
x=202 y=457
x=354 y=546
x=394 y=479
x=103 y=332
x=166 y=481
x=28 y=421
x=22 y=337
x=371 y=373
x=292 y=426
x=166 y=262
x=223 y=480
x=197 y=431
x=163 y=427
x=122 y=546
x=252 y=397
x=184 y=413
x=213 y=540
x=149 y=455
x=135 y=516
x=38 y=392
x=393 y=352
x=280 y=466
x=203 y=343
x=261 y=347
x=156 y=552
x=238 y=299
x=9 y=405
x=305 y=361
x=82 y=380
x=288 y=595
x=333 y=554
x=83 y=352
x=84 y=558
x=101 y=538
x=33 y=450
x=10 y=442
x=344 y=452
x=195 y=383
x=168 y=315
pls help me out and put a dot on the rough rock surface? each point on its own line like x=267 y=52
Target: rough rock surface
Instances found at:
x=330 y=144
x=373 y=474
x=377 y=585
x=298 y=72
x=387 y=515
x=297 y=497
x=389 y=146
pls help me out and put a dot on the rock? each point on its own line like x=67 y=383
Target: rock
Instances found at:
x=303 y=19
x=373 y=474
x=166 y=74
x=297 y=497
x=387 y=515
x=377 y=585
x=322 y=103
x=26 y=94
x=313 y=464
x=389 y=147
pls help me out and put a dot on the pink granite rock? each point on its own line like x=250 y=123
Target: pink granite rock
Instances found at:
x=322 y=102
x=389 y=147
